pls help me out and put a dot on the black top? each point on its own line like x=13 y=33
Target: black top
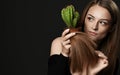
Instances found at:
x=58 y=65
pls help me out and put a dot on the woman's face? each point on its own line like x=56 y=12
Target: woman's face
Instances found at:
x=97 y=22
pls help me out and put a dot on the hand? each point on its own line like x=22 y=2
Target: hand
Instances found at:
x=101 y=64
x=66 y=42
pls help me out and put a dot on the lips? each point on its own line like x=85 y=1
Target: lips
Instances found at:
x=92 y=33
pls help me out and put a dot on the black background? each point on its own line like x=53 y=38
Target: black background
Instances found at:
x=29 y=26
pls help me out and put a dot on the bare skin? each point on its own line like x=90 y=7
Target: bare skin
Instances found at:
x=96 y=26
x=59 y=48
x=61 y=44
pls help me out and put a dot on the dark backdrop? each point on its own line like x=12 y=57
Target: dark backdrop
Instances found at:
x=29 y=27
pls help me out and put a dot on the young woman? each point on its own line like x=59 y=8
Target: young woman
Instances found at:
x=100 y=21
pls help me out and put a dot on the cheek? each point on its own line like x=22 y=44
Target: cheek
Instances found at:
x=86 y=25
x=101 y=36
x=103 y=32
x=104 y=29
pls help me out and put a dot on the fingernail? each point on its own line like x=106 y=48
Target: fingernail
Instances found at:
x=69 y=40
x=73 y=33
x=99 y=55
x=67 y=29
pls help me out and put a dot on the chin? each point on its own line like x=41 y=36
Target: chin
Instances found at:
x=93 y=38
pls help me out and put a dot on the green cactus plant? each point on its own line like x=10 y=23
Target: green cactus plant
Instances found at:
x=70 y=16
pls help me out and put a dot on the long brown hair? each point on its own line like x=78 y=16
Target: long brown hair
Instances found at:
x=110 y=44
x=82 y=52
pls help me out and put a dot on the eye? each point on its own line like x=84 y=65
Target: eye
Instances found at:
x=103 y=22
x=90 y=19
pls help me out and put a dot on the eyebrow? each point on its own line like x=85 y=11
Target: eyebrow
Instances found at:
x=91 y=15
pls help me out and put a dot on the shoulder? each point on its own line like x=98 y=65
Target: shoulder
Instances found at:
x=56 y=46
x=57 y=40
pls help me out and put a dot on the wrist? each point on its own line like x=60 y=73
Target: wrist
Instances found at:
x=91 y=73
x=64 y=54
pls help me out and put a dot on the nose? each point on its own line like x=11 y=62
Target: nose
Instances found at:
x=95 y=26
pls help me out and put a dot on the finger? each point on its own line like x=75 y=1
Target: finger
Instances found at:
x=66 y=50
x=101 y=55
x=65 y=32
x=105 y=62
x=66 y=42
x=68 y=36
x=67 y=47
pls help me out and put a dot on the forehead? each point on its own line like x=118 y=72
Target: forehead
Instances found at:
x=99 y=12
